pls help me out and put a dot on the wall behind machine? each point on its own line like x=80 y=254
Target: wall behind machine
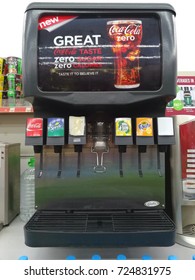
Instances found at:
x=11 y=34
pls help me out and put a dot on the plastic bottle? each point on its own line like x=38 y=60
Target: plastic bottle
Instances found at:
x=27 y=192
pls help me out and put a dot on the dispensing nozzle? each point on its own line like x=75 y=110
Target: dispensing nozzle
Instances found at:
x=58 y=149
x=141 y=149
x=122 y=149
x=41 y=164
x=158 y=162
x=100 y=145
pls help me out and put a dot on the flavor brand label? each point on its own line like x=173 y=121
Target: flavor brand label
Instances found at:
x=34 y=127
x=144 y=127
x=55 y=127
x=77 y=126
x=123 y=127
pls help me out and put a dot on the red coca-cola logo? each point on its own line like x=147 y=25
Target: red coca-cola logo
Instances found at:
x=131 y=29
x=34 y=127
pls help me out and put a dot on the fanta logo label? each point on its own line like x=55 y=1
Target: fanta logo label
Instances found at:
x=144 y=125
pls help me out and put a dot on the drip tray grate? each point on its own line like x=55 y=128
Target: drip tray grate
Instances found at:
x=61 y=228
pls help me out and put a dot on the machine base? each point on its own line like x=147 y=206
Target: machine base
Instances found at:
x=99 y=229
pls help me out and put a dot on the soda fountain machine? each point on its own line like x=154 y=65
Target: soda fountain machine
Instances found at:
x=99 y=77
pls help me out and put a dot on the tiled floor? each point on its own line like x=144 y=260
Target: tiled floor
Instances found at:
x=12 y=247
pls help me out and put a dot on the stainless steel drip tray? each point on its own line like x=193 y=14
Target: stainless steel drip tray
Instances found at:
x=50 y=228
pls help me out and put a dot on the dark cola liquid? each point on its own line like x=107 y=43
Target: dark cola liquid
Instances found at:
x=126 y=36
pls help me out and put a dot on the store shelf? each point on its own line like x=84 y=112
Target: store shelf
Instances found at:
x=25 y=107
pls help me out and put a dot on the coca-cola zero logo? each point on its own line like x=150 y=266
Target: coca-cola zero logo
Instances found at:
x=131 y=29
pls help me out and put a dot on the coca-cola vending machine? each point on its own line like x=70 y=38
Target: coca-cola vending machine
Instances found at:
x=99 y=77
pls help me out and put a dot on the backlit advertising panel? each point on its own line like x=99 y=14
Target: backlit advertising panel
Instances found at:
x=98 y=53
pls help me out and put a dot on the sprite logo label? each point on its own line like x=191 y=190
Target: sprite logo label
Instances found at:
x=55 y=127
x=123 y=127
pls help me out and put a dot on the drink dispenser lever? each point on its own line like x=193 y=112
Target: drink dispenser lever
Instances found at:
x=158 y=161
x=56 y=138
x=121 y=149
x=58 y=149
x=123 y=137
x=141 y=149
x=100 y=145
x=165 y=137
x=78 y=150
x=41 y=161
x=77 y=137
x=144 y=137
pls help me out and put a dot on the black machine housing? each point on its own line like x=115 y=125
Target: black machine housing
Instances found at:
x=102 y=220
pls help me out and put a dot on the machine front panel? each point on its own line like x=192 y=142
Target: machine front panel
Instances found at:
x=101 y=190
